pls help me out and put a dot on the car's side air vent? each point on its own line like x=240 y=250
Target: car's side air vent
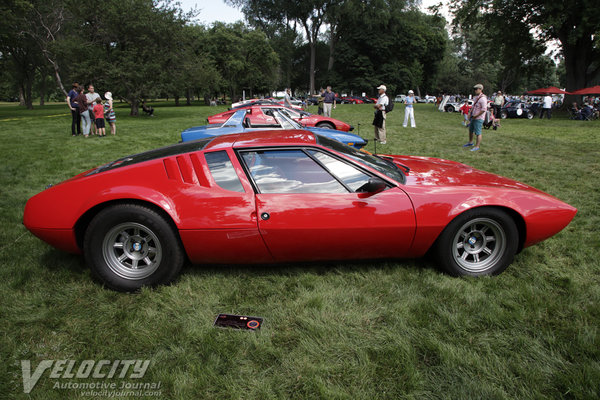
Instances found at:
x=186 y=168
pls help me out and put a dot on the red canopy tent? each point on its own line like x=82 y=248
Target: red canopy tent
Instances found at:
x=548 y=90
x=586 y=91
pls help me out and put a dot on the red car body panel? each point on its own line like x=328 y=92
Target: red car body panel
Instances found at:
x=258 y=117
x=221 y=226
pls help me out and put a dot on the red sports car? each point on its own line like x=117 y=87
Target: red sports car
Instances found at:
x=259 y=116
x=286 y=196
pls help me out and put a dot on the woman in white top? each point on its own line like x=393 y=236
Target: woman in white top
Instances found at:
x=408 y=110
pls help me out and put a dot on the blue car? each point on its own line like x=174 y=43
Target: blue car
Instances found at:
x=238 y=123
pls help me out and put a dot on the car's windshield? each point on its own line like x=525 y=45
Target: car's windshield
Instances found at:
x=386 y=167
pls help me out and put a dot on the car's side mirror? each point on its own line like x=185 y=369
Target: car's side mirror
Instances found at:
x=372 y=187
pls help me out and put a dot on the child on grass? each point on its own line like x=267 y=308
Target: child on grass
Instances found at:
x=99 y=115
x=464 y=109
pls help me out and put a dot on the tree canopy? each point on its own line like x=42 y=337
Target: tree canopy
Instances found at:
x=141 y=49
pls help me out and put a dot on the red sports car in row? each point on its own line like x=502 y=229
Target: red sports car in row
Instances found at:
x=259 y=116
x=286 y=196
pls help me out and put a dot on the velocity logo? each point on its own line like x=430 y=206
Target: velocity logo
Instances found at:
x=69 y=369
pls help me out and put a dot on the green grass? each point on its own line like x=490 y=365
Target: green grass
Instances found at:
x=332 y=330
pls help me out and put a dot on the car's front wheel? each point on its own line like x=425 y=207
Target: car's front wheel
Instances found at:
x=479 y=242
x=503 y=114
x=530 y=115
x=449 y=109
x=128 y=246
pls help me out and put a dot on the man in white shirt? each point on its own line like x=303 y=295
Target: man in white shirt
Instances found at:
x=91 y=97
x=547 y=107
x=379 y=120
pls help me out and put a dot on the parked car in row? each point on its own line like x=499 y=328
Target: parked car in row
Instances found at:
x=286 y=196
x=240 y=121
x=519 y=109
x=455 y=107
x=259 y=117
x=260 y=102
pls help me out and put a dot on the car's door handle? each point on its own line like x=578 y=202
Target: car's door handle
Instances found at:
x=265 y=216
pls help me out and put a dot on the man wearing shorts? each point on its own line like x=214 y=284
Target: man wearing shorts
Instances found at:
x=476 y=116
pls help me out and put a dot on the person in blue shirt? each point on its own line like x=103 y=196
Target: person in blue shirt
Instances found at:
x=328 y=102
x=408 y=110
x=73 y=106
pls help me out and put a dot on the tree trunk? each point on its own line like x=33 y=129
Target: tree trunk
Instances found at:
x=331 y=49
x=25 y=93
x=42 y=90
x=135 y=103
x=313 y=51
x=176 y=101
x=577 y=60
x=188 y=95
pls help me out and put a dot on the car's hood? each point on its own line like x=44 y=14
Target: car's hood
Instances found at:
x=439 y=172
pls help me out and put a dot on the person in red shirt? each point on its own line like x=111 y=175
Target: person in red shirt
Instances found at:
x=99 y=115
x=464 y=109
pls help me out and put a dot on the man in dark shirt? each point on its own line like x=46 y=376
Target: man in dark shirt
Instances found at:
x=328 y=102
x=75 y=115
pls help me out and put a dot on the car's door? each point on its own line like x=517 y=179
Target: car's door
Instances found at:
x=220 y=223
x=308 y=207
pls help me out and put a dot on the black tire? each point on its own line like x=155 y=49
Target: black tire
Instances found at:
x=487 y=249
x=449 y=109
x=503 y=114
x=129 y=246
x=530 y=115
x=325 y=125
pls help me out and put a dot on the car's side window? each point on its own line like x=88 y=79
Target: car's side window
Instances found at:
x=289 y=171
x=351 y=176
x=222 y=170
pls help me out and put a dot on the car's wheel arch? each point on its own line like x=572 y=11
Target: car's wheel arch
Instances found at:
x=513 y=214
x=83 y=222
x=325 y=125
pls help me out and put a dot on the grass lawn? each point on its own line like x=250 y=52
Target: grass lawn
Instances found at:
x=390 y=329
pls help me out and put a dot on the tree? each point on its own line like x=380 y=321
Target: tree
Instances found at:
x=395 y=45
x=17 y=43
x=308 y=14
x=122 y=46
x=573 y=24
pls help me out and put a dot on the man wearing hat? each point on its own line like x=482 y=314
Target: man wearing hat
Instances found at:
x=408 y=110
x=476 y=116
x=379 y=120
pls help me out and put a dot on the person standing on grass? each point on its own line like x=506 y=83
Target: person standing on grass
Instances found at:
x=91 y=97
x=76 y=117
x=109 y=113
x=464 y=110
x=379 y=119
x=328 y=102
x=409 y=110
x=547 y=107
x=287 y=99
x=83 y=112
x=477 y=116
x=98 y=111
x=498 y=103
x=320 y=99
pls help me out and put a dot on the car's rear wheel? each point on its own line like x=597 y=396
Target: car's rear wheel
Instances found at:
x=482 y=241
x=503 y=114
x=128 y=246
x=325 y=125
x=530 y=115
